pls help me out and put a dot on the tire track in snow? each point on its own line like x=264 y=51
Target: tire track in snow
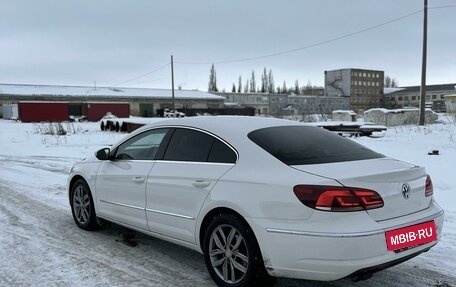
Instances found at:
x=51 y=164
x=54 y=243
x=45 y=248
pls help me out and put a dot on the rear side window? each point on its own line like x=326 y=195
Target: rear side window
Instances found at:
x=220 y=152
x=192 y=145
x=301 y=145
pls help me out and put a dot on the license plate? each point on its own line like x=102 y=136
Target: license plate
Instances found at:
x=411 y=236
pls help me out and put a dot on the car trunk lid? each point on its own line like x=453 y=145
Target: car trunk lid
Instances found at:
x=401 y=185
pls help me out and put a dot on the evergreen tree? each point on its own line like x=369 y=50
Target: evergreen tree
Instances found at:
x=239 y=85
x=212 y=87
x=284 y=87
x=233 y=89
x=296 y=89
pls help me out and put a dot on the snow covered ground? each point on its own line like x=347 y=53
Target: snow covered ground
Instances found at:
x=41 y=246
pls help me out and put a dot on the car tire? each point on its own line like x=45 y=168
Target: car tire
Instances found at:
x=82 y=206
x=239 y=264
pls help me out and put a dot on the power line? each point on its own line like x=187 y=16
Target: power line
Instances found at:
x=324 y=42
x=152 y=80
x=141 y=76
x=442 y=7
x=320 y=43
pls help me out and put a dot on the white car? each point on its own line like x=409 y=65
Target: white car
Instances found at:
x=261 y=197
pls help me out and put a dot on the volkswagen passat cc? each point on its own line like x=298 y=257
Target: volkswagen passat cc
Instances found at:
x=261 y=197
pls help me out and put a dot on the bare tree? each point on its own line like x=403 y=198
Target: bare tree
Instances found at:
x=246 y=87
x=271 y=87
x=252 y=83
x=264 y=81
x=394 y=83
x=296 y=88
x=212 y=87
x=387 y=82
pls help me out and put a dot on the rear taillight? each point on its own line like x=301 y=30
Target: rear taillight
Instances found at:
x=335 y=198
x=429 y=189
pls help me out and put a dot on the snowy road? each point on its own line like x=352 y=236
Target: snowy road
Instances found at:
x=41 y=246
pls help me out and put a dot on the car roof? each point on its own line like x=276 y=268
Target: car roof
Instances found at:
x=229 y=128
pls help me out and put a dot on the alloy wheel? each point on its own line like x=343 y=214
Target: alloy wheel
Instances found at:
x=228 y=253
x=81 y=204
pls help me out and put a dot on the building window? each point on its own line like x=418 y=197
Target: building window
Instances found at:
x=364 y=74
x=406 y=98
x=442 y=96
x=413 y=98
x=399 y=99
x=428 y=97
x=434 y=97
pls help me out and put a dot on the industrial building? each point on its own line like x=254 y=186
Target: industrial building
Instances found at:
x=363 y=88
x=410 y=96
x=278 y=105
x=94 y=101
x=450 y=101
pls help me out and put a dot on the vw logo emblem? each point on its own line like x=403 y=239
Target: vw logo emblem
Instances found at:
x=405 y=190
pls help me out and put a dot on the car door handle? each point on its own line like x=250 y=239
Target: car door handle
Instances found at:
x=138 y=179
x=201 y=183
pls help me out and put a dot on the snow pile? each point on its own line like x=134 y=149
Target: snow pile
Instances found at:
x=398 y=117
x=344 y=115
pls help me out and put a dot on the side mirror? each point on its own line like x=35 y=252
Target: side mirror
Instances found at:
x=103 y=154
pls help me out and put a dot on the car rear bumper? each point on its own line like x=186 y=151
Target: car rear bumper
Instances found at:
x=318 y=249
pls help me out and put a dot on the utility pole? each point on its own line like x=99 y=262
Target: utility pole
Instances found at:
x=172 y=84
x=423 y=67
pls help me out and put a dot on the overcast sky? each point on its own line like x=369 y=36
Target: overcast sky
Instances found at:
x=78 y=42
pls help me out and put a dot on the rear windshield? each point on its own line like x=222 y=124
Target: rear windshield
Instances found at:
x=300 y=145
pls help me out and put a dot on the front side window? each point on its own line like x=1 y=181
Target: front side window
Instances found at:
x=196 y=146
x=141 y=147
